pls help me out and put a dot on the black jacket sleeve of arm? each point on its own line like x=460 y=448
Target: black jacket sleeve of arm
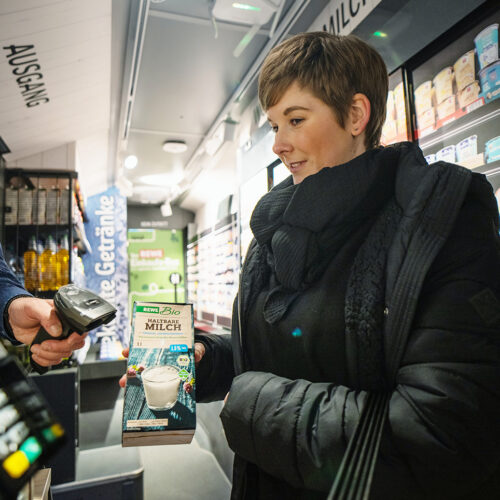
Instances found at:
x=215 y=371
x=10 y=289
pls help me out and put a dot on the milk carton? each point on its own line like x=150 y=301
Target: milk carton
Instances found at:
x=159 y=404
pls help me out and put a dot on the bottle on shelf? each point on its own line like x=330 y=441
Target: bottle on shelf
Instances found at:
x=31 y=266
x=63 y=262
x=48 y=266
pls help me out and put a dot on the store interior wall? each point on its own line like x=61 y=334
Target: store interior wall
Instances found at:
x=62 y=157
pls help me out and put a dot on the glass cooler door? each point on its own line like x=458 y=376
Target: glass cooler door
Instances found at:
x=456 y=95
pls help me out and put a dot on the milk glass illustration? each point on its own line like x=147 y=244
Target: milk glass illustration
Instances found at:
x=161 y=386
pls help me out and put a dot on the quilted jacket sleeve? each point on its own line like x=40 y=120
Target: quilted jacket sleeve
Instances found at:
x=442 y=440
x=9 y=289
x=215 y=372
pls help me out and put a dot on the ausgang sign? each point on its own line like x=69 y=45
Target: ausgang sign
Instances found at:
x=340 y=17
x=26 y=69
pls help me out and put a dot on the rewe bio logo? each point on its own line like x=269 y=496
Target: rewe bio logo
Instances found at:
x=168 y=311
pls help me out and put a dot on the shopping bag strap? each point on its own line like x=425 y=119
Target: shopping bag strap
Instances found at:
x=355 y=474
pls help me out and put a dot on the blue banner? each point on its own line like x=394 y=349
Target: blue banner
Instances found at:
x=106 y=267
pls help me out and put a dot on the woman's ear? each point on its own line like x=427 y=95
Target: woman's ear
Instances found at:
x=359 y=114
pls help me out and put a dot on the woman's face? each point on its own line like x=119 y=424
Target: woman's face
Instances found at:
x=308 y=136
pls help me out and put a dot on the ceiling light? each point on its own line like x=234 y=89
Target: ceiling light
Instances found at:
x=130 y=162
x=250 y=12
x=380 y=34
x=161 y=179
x=245 y=6
x=174 y=146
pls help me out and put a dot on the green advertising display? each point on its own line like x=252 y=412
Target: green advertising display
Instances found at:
x=156 y=266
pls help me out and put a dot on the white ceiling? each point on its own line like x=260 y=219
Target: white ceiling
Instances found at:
x=162 y=64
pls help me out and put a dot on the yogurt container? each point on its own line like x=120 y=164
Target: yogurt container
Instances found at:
x=465 y=70
x=487 y=45
x=467 y=148
x=443 y=83
x=492 y=149
x=469 y=94
x=430 y=158
x=490 y=81
x=446 y=154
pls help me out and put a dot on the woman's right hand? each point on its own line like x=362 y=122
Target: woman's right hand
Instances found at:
x=199 y=352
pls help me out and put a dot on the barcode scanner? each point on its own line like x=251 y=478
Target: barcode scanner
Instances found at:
x=79 y=311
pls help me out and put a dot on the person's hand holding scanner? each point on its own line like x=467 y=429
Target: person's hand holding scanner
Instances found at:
x=199 y=352
x=26 y=315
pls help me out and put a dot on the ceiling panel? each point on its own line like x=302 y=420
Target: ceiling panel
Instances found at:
x=187 y=75
x=71 y=44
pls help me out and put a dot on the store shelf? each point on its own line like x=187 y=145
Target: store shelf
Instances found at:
x=37 y=227
x=461 y=122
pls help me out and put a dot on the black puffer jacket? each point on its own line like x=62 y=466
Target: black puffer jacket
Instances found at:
x=442 y=439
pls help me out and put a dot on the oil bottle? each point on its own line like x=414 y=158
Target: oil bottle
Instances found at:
x=48 y=266
x=31 y=266
x=63 y=262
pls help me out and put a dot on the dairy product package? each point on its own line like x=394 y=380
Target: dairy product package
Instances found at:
x=40 y=206
x=64 y=201
x=389 y=132
x=11 y=203
x=25 y=210
x=467 y=148
x=401 y=126
x=426 y=119
x=430 y=158
x=399 y=100
x=492 y=149
x=447 y=107
x=159 y=404
x=52 y=206
x=423 y=97
x=490 y=81
x=446 y=154
x=487 y=45
x=469 y=94
x=443 y=84
x=465 y=70
x=391 y=107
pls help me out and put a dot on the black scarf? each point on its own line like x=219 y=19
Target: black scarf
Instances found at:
x=300 y=227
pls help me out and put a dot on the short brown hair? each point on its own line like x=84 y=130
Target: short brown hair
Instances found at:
x=333 y=68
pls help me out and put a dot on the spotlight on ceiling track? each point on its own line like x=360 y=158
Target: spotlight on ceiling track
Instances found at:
x=130 y=162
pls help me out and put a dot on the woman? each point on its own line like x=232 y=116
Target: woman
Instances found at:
x=335 y=244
